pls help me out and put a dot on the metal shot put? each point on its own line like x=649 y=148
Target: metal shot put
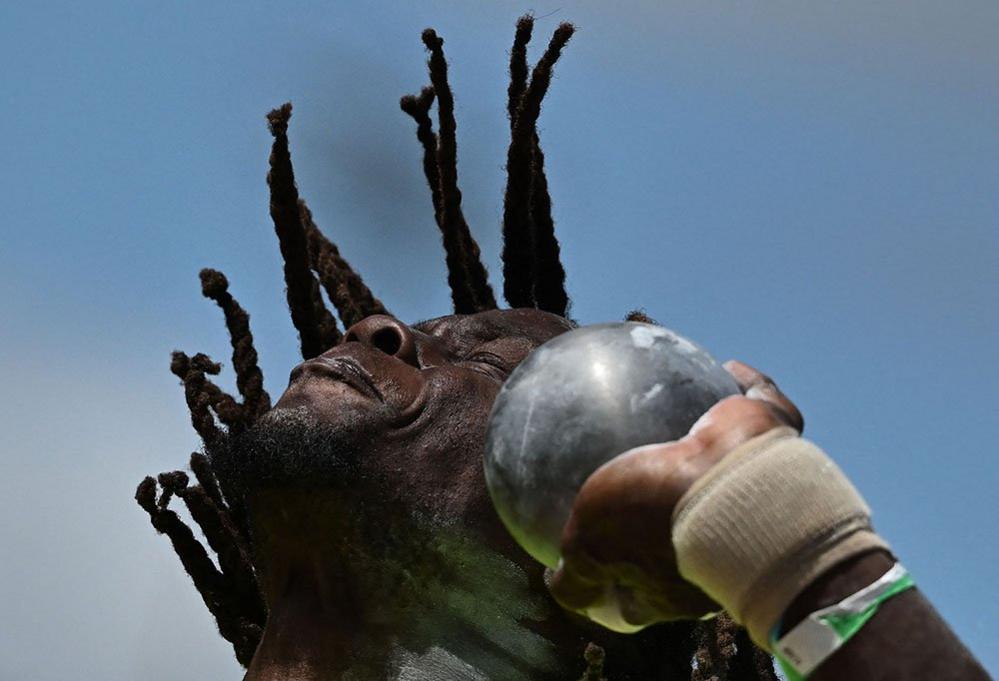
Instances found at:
x=578 y=401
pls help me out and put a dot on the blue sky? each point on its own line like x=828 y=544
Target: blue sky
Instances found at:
x=810 y=189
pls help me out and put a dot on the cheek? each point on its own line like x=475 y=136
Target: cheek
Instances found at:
x=442 y=464
x=459 y=411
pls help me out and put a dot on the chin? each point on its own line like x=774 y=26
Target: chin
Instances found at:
x=298 y=447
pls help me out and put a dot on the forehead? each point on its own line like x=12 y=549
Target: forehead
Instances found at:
x=534 y=325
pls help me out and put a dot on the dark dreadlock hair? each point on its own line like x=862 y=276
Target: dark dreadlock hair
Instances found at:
x=533 y=276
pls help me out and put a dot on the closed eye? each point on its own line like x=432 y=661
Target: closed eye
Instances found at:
x=497 y=366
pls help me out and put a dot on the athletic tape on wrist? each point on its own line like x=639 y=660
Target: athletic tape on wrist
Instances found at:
x=801 y=650
x=765 y=522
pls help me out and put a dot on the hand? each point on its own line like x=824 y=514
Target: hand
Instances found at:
x=618 y=566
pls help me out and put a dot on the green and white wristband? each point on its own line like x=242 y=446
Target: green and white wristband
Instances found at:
x=824 y=631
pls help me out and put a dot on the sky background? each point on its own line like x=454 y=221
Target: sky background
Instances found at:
x=810 y=187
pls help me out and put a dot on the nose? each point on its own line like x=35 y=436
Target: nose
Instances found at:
x=387 y=334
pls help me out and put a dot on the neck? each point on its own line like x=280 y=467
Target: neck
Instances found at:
x=355 y=591
x=307 y=635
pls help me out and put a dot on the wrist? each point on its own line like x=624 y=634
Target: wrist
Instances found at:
x=804 y=647
x=835 y=584
x=763 y=524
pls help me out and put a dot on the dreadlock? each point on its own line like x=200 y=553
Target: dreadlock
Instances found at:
x=418 y=108
x=533 y=277
x=231 y=591
x=315 y=324
x=749 y=662
x=594 y=657
x=726 y=653
x=350 y=296
x=249 y=378
x=462 y=292
x=529 y=244
x=518 y=257
x=225 y=540
x=549 y=275
x=518 y=67
x=204 y=397
x=639 y=316
x=722 y=645
x=549 y=281
x=467 y=277
x=215 y=589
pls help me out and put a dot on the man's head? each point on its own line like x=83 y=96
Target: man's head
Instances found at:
x=399 y=412
x=368 y=473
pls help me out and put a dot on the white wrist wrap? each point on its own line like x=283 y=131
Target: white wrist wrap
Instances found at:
x=764 y=523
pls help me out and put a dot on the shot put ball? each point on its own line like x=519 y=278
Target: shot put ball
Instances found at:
x=578 y=401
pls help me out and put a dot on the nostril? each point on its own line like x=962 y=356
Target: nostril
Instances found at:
x=387 y=340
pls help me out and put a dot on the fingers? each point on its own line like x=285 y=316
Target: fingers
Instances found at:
x=746 y=376
x=733 y=421
x=576 y=583
x=572 y=590
x=759 y=386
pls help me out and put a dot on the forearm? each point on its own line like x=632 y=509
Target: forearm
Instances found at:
x=775 y=532
x=906 y=638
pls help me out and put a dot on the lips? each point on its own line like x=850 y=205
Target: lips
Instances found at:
x=342 y=369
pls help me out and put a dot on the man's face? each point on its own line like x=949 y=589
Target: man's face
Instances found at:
x=404 y=408
x=366 y=493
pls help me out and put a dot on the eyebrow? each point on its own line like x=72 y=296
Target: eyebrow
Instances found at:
x=426 y=325
x=457 y=331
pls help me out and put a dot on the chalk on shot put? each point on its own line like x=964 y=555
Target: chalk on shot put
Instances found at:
x=578 y=401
